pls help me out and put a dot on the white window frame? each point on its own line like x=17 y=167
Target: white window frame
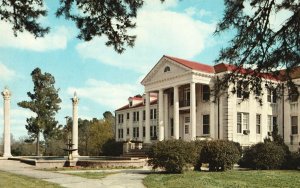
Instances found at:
x=206 y=124
x=243 y=123
x=271 y=122
x=258 y=123
x=294 y=124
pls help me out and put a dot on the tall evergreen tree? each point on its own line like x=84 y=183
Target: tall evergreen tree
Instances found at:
x=44 y=102
x=261 y=45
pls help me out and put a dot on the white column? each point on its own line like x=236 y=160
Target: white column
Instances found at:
x=147 y=119
x=176 y=113
x=166 y=116
x=75 y=101
x=6 y=132
x=161 y=114
x=193 y=110
x=141 y=125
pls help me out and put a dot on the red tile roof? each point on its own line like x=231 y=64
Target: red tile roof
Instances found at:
x=193 y=65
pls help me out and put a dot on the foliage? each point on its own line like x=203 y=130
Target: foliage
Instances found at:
x=93 y=18
x=221 y=155
x=198 y=146
x=13 y=180
x=22 y=148
x=44 y=102
x=260 y=45
x=231 y=178
x=264 y=156
x=171 y=155
x=112 y=148
x=100 y=133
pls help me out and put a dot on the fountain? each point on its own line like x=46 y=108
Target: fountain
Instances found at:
x=70 y=161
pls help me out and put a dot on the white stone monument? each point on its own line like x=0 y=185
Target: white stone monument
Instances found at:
x=6 y=132
x=75 y=101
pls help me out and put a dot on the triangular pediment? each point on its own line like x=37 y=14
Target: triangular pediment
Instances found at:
x=165 y=68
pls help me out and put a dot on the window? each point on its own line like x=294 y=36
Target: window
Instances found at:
x=172 y=126
x=294 y=98
x=171 y=99
x=205 y=124
x=294 y=122
x=205 y=92
x=120 y=133
x=153 y=132
x=272 y=121
x=242 y=121
x=130 y=103
x=242 y=89
x=258 y=123
x=186 y=96
x=135 y=116
x=127 y=132
x=127 y=115
x=144 y=115
x=153 y=114
x=135 y=132
x=167 y=69
x=120 y=118
x=186 y=129
x=271 y=96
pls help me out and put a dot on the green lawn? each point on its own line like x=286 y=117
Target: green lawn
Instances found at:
x=8 y=180
x=230 y=179
x=91 y=175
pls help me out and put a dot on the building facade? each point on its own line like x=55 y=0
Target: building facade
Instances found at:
x=177 y=104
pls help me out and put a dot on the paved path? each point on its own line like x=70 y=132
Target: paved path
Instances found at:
x=122 y=179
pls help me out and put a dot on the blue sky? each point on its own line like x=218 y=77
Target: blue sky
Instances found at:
x=102 y=78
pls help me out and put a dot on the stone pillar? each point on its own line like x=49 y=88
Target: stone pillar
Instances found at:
x=193 y=110
x=75 y=101
x=161 y=114
x=6 y=114
x=176 y=113
x=147 y=119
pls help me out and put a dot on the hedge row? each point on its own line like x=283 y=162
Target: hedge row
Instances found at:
x=176 y=155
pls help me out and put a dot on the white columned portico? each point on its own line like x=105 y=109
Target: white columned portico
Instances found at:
x=176 y=113
x=147 y=119
x=161 y=114
x=75 y=101
x=6 y=113
x=193 y=110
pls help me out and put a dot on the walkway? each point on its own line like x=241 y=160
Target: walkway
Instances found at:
x=122 y=179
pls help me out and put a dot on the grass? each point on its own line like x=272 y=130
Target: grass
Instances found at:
x=92 y=175
x=9 y=180
x=271 y=178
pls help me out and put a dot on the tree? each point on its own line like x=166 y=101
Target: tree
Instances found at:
x=93 y=18
x=44 y=102
x=257 y=44
x=110 y=118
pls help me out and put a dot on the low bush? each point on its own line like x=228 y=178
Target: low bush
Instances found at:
x=221 y=155
x=172 y=155
x=292 y=161
x=112 y=148
x=263 y=156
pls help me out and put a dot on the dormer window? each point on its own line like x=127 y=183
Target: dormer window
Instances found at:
x=167 y=69
x=130 y=103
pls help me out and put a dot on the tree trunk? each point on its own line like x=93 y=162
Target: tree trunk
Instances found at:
x=37 y=149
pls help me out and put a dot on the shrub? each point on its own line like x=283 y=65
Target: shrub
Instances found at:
x=198 y=146
x=221 y=155
x=266 y=155
x=172 y=155
x=112 y=148
x=292 y=161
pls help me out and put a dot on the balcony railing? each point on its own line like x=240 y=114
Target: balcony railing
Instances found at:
x=184 y=103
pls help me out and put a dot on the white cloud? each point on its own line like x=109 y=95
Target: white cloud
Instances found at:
x=277 y=19
x=56 y=39
x=159 y=31
x=105 y=93
x=6 y=73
